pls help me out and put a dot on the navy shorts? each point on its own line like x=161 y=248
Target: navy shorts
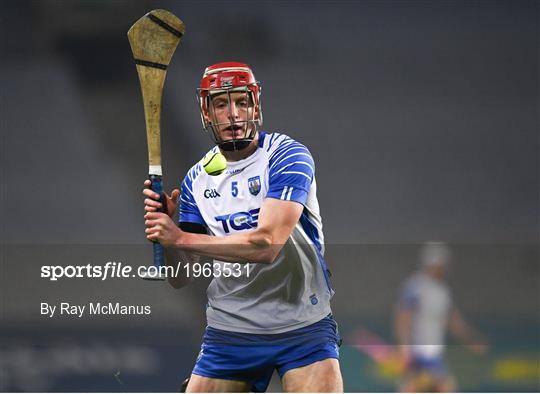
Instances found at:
x=254 y=357
x=434 y=366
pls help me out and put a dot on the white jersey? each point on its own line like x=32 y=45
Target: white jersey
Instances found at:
x=293 y=291
x=431 y=304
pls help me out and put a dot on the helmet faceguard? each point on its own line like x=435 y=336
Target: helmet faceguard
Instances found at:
x=225 y=80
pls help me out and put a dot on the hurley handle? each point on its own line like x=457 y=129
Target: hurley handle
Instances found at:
x=157 y=187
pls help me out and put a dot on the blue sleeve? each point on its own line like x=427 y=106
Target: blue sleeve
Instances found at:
x=291 y=172
x=408 y=298
x=189 y=211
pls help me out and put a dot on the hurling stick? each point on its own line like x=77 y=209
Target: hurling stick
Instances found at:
x=153 y=40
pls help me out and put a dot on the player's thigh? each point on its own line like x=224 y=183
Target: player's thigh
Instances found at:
x=321 y=376
x=202 y=384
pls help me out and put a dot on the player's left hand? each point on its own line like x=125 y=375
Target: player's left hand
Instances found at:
x=152 y=203
x=161 y=228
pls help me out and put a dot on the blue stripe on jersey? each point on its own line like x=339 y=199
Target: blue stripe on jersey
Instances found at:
x=279 y=141
x=274 y=139
x=287 y=156
x=281 y=150
x=262 y=134
x=408 y=298
x=189 y=211
x=291 y=171
x=310 y=229
x=289 y=193
x=313 y=234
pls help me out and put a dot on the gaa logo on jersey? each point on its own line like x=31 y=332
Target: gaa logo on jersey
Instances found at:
x=211 y=193
x=254 y=185
x=239 y=220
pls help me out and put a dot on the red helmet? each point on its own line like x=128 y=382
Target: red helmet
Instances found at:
x=224 y=78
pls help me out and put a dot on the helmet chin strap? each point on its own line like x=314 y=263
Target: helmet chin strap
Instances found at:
x=233 y=145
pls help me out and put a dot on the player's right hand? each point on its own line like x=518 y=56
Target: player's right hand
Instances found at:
x=151 y=202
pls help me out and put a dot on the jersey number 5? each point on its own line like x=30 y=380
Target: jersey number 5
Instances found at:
x=234 y=188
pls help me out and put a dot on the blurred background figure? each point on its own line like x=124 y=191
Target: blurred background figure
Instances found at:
x=424 y=313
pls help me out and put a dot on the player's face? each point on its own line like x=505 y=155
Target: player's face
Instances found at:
x=232 y=115
x=438 y=271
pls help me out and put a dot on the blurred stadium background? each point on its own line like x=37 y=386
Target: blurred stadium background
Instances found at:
x=423 y=120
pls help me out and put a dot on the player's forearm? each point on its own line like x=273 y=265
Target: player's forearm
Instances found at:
x=403 y=328
x=459 y=328
x=254 y=246
x=463 y=332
